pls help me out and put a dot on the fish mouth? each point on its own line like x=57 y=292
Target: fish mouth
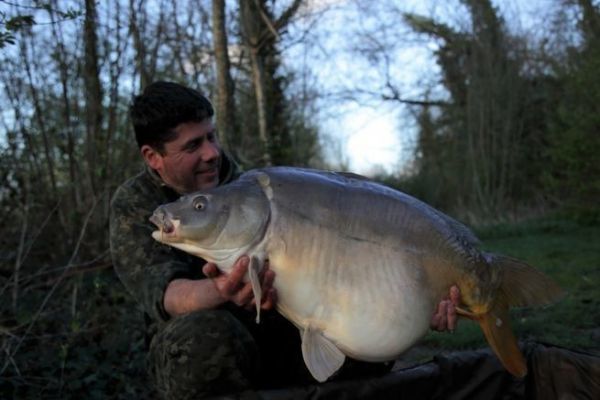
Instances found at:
x=166 y=226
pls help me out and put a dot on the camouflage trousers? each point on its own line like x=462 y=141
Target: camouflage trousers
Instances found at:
x=224 y=351
x=216 y=352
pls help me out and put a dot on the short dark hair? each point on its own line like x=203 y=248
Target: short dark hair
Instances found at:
x=161 y=108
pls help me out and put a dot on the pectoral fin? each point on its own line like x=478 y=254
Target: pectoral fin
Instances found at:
x=253 y=272
x=321 y=356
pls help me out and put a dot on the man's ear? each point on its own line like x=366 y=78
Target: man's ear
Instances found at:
x=152 y=157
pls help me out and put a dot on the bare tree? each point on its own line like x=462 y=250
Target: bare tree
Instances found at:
x=146 y=43
x=261 y=31
x=64 y=61
x=94 y=92
x=225 y=104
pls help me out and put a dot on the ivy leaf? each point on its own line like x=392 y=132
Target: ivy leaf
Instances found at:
x=71 y=13
x=6 y=38
x=19 y=22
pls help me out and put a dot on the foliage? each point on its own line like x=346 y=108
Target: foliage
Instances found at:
x=574 y=141
x=12 y=25
x=88 y=341
x=514 y=132
x=15 y=23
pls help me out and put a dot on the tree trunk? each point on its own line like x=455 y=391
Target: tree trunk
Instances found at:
x=63 y=67
x=253 y=32
x=91 y=78
x=115 y=72
x=258 y=79
x=138 y=44
x=39 y=118
x=225 y=104
x=260 y=34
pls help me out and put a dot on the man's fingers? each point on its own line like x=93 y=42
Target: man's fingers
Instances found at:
x=269 y=300
x=443 y=315
x=233 y=288
x=267 y=303
x=439 y=320
x=442 y=307
x=264 y=271
x=210 y=270
x=451 y=316
x=244 y=295
x=267 y=280
x=236 y=276
x=454 y=302
x=455 y=295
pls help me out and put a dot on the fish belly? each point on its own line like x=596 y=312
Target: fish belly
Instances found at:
x=370 y=300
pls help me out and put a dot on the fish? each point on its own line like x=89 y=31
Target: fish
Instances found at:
x=359 y=266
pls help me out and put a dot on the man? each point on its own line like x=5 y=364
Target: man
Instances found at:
x=201 y=331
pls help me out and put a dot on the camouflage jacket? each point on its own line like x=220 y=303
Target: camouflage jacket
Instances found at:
x=143 y=265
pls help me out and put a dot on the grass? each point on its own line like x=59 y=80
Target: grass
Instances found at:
x=564 y=250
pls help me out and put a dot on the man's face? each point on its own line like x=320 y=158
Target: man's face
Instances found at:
x=192 y=161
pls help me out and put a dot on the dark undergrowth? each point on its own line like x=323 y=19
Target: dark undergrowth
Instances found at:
x=82 y=336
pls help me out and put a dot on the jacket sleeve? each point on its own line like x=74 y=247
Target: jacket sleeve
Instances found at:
x=144 y=265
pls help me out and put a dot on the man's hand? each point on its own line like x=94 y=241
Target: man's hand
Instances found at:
x=444 y=317
x=231 y=286
x=183 y=296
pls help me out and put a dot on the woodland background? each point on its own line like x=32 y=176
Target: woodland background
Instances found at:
x=513 y=135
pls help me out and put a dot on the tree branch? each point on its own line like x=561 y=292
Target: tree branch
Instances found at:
x=55 y=286
x=425 y=103
x=283 y=20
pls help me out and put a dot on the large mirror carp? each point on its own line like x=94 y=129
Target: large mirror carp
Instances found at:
x=359 y=267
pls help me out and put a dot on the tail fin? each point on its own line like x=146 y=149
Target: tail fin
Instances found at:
x=495 y=325
x=521 y=285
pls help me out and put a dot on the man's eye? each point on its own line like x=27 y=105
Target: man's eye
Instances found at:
x=192 y=147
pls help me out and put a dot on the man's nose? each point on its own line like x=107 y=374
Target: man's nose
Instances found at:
x=210 y=151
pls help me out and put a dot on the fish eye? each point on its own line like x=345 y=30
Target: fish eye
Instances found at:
x=200 y=202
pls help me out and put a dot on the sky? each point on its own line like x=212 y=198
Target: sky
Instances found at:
x=372 y=141
x=373 y=135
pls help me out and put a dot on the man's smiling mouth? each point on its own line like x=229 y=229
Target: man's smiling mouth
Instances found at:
x=208 y=171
